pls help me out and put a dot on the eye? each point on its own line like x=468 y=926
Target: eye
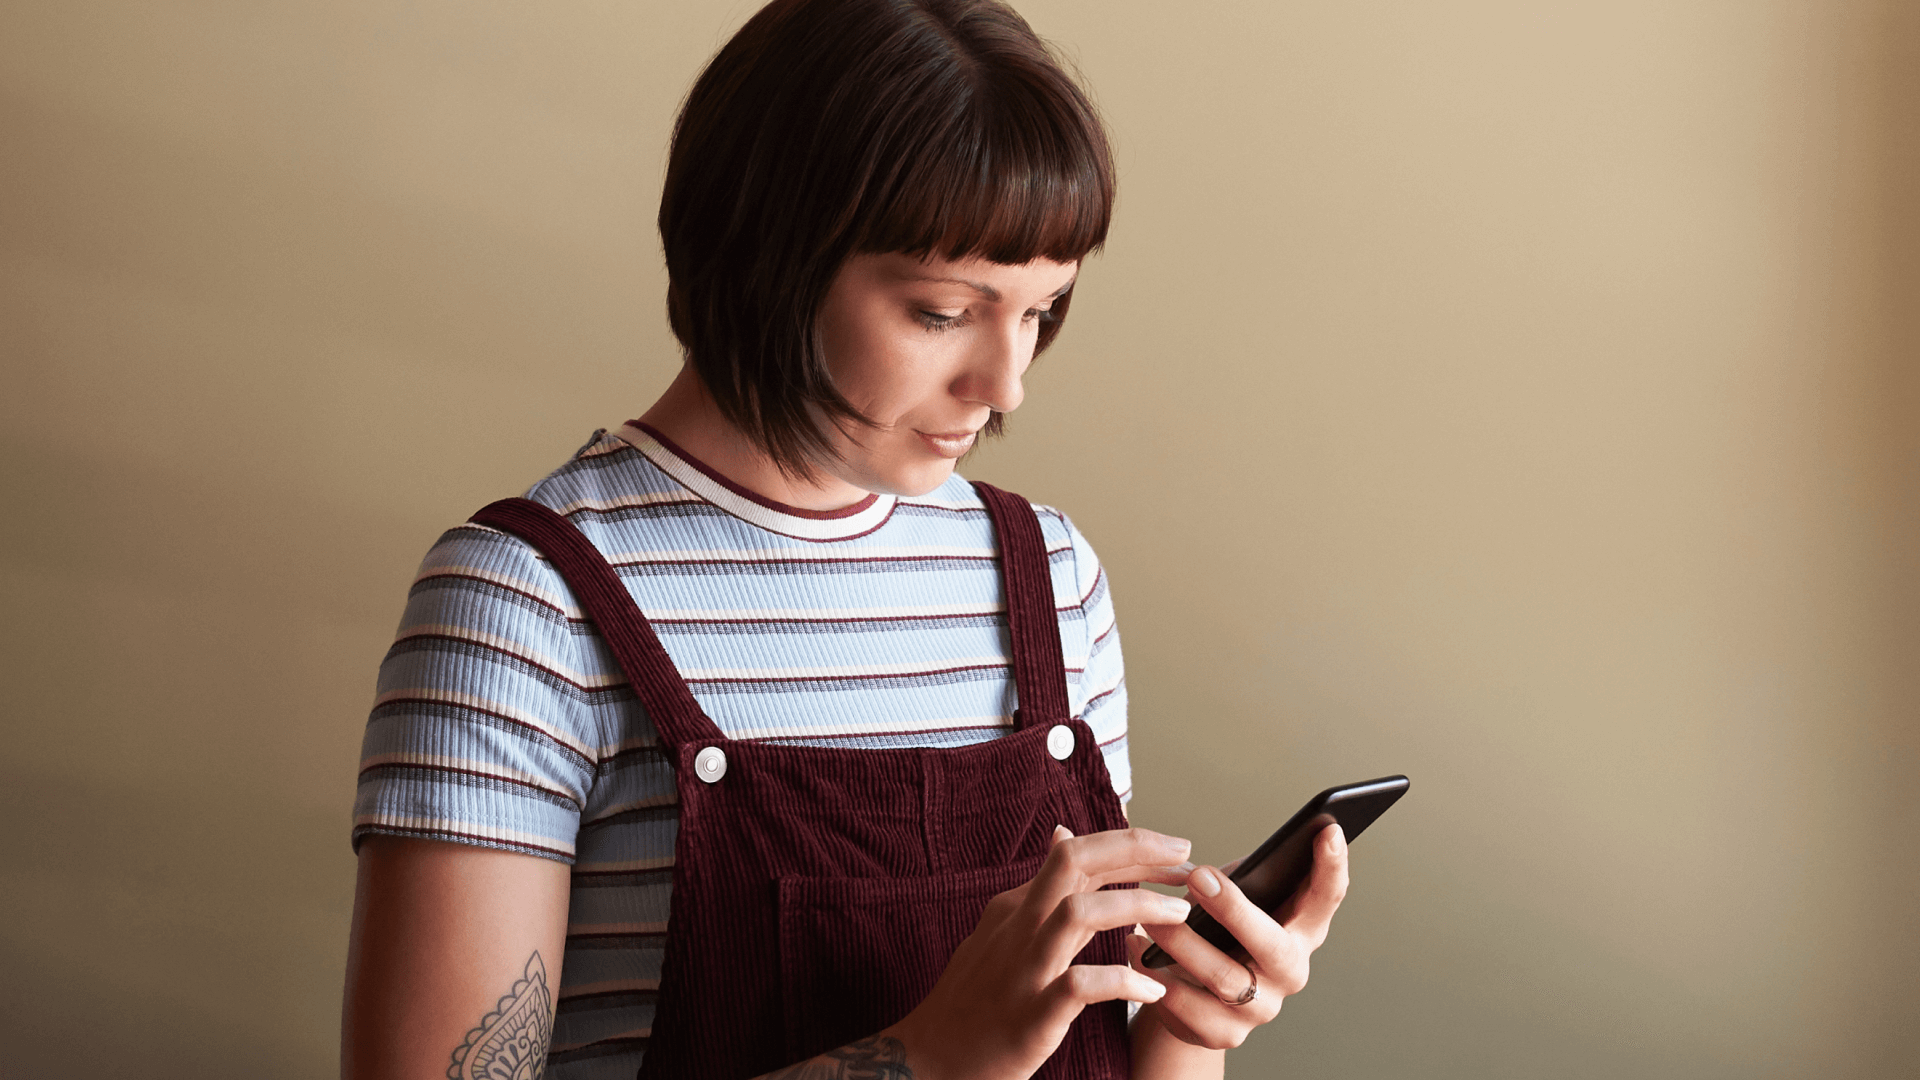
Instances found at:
x=935 y=321
x=1040 y=315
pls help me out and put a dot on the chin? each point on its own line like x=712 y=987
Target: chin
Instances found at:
x=913 y=482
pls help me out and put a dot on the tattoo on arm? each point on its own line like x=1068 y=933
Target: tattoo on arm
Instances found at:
x=878 y=1058
x=511 y=1041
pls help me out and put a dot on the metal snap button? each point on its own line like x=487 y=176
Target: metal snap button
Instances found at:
x=1060 y=742
x=710 y=764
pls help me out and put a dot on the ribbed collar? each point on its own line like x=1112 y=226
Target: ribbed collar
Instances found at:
x=700 y=478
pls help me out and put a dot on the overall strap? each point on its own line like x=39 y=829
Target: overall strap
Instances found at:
x=1039 y=670
x=676 y=716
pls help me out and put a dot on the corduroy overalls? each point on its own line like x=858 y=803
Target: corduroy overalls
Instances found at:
x=818 y=893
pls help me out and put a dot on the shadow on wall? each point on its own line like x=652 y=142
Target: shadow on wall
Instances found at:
x=1900 y=202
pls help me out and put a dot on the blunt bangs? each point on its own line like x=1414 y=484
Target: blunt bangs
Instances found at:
x=827 y=128
x=1005 y=169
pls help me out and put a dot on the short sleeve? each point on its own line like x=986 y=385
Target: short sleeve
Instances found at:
x=1102 y=692
x=478 y=730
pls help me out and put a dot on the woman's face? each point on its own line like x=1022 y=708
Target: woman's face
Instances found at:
x=929 y=350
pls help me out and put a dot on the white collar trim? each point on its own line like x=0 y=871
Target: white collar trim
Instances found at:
x=691 y=477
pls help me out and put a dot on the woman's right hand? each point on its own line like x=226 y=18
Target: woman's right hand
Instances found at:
x=1003 y=1004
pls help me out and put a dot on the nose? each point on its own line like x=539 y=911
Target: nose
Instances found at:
x=994 y=367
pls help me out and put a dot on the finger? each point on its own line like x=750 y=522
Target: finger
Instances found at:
x=1080 y=916
x=1256 y=931
x=1137 y=945
x=1158 y=875
x=1195 y=1015
x=1079 y=863
x=1086 y=984
x=1310 y=913
x=1213 y=1022
x=1199 y=963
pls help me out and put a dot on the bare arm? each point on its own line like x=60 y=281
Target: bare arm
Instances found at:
x=1158 y=1054
x=454 y=958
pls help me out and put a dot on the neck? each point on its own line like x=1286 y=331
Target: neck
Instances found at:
x=686 y=414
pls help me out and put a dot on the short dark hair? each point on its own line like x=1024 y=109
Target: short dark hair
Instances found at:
x=827 y=128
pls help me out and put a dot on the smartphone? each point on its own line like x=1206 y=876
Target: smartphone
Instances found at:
x=1275 y=870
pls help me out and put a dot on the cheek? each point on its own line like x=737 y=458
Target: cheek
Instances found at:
x=884 y=372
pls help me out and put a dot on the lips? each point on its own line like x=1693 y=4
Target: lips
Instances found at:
x=950 y=444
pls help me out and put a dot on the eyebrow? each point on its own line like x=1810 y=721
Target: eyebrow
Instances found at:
x=986 y=290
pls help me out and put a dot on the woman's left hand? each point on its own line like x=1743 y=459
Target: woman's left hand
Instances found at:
x=1196 y=1007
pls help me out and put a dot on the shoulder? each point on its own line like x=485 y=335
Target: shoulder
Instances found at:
x=607 y=476
x=487 y=580
x=1076 y=567
x=607 y=482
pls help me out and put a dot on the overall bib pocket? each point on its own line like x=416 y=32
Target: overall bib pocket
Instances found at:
x=857 y=954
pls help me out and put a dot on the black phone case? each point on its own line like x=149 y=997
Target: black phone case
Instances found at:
x=1276 y=868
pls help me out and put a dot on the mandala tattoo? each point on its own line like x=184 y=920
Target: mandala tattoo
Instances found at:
x=511 y=1041
x=877 y=1058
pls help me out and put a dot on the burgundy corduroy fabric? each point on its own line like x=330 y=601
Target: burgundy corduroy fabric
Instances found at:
x=818 y=892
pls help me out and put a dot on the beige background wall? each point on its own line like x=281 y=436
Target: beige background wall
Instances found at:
x=1521 y=396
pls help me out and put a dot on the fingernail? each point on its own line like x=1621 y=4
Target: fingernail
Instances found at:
x=1061 y=832
x=1204 y=882
x=1185 y=867
x=1157 y=992
x=1339 y=840
x=1177 y=846
x=1177 y=909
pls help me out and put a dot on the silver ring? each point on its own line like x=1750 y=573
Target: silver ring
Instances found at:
x=1252 y=991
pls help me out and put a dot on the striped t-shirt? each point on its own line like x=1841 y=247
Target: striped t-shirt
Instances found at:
x=503 y=720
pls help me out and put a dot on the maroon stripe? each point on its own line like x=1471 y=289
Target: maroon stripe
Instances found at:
x=1095 y=644
x=824 y=620
x=737 y=680
x=807 y=562
x=471 y=772
x=729 y=680
x=666 y=867
x=695 y=501
x=879 y=734
x=1099 y=572
x=1113 y=740
x=769 y=621
x=490 y=647
x=752 y=496
x=955 y=510
x=767 y=562
x=1095 y=698
x=542 y=601
x=563 y=747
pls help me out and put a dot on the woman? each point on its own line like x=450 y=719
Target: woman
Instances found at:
x=844 y=800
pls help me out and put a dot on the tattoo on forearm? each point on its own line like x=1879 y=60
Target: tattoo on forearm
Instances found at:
x=511 y=1041
x=877 y=1058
